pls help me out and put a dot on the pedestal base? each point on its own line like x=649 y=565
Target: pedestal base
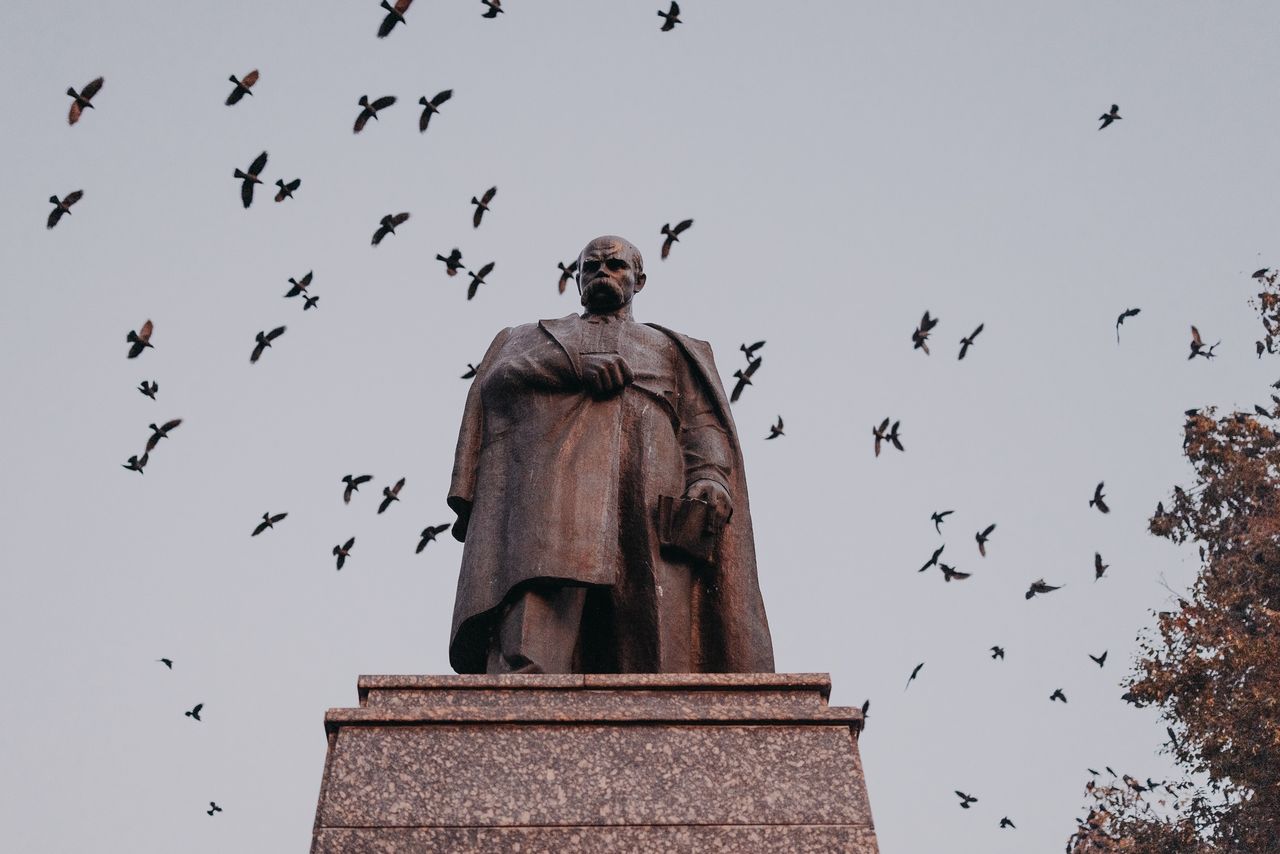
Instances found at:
x=608 y=763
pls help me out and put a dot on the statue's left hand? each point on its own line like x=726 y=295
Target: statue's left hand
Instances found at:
x=714 y=494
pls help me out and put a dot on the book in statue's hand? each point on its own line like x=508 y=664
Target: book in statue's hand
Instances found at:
x=688 y=526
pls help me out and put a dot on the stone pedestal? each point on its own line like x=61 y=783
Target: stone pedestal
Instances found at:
x=584 y=763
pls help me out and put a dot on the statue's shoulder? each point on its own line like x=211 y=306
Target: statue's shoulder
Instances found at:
x=695 y=345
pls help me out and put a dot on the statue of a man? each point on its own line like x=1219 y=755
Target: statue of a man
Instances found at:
x=599 y=489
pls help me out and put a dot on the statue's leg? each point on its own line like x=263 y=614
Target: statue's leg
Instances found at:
x=675 y=617
x=538 y=631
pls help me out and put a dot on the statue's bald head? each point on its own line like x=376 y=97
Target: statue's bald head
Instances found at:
x=610 y=273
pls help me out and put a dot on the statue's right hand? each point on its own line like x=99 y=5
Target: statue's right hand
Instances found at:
x=604 y=374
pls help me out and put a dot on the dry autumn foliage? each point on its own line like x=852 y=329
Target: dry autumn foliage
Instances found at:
x=1212 y=666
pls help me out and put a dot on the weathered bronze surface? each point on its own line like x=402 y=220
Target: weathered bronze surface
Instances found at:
x=600 y=494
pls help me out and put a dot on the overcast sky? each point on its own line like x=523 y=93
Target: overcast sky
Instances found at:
x=847 y=165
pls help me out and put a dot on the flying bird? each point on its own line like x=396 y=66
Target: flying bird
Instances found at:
x=137 y=463
x=950 y=573
x=167 y=662
x=247 y=180
x=80 y=101
x=894 y=437
x=268 y=521
x=341 y=552
x=1099 y=660
x=1099 y=500
x=353 y=485
x=1098 y=566
x=495 y=8
x=395 y=15
x=914 y=673
x=389 y=494
x=920 y=335
x=1258 y=274
x=286 y=189
x=1005 y=822
x=775 y=430
x=1038 y=586
x=194 y=714
x=670 y=18
x=471 y=372
x=429 y=534
x=749 y=350
x=299 y=286
x=370 y=110
x=744 y=378
x=567 y=272
x=139 y=340
x=1198 y=347
x=966 y=343
x=213 y=808
x=965 y=800
x=997 y=652
x=431 y=107
x=243 y=86
x=1057 y=695
x=1109 y=117
x=482 y=205
x=477 y=278
x=149 y=388
x=673 y=235
x=933 y=561
x=309 y=302
x=982 y=537
x=161 y=432
x=264 y=340
x=452 y=263
x=62 y=206
x=1124 y=315
x=387 y=225
x=938 y=517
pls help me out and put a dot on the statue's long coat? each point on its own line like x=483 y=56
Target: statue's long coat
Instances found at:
x=539 y=462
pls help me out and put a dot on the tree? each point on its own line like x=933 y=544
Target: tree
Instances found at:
x=1212 y=665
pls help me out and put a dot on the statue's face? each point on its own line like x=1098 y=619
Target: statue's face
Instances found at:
x=609 y=275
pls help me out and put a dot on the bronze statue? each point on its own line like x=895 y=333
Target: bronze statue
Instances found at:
x=600 y=495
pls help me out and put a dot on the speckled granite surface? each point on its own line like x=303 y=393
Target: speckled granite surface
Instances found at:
x=729 y=762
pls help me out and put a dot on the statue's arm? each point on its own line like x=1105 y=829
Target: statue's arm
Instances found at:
x=708 y=453
x=470 y=437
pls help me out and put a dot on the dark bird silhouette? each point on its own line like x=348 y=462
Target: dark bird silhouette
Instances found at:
x=966 y=343
x=920 y=335
x=1125 y=315
x=137 y=463
x=149 y=388
x=370 y=110
x=1109 y=117
x=1039 y=586
x=495 y=8
x=80 y=101
x=1198 y=347
x=161 y=432
x=243 y=86
x=670 y=18
x=341 y=552
x=264 y=340
x=62 y=206
x=1098 y=566
x=866 y=709
x=673 y=234
x=933 y=560
x=894 y=437
x=997 y=652
x=353 y=485
x=775 y=430
x=1258 y=274
x=248 y=179
x=387 y=225
x=431 y=107
x=477 y=278
x=881 y=433
x=965 y=800
x=749 y=350
x=938 y=517
x=915 y=671
x=429 y=534
x=139 y=340
x=1135 y=785
x=950 y=573
x=1099 y=660
x=213 y=808
x=743 y=376
x=268 y=521
x=1099 y=500
x=167 y=662
x=286 y=189
x=1057 y=695
x=194 y=714
x=389 y=494
x=482 y=205
x=309 y=302
x=395 y=15
x=471 y=372
x=567 y=272
x=1173 y=736
x=299 y=286
x=452 y=263
x=982 y=537
x=1005 y=822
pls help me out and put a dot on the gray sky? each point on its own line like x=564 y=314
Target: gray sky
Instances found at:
x=848 y=166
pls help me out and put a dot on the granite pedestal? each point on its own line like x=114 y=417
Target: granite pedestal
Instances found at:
x=573 y=764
